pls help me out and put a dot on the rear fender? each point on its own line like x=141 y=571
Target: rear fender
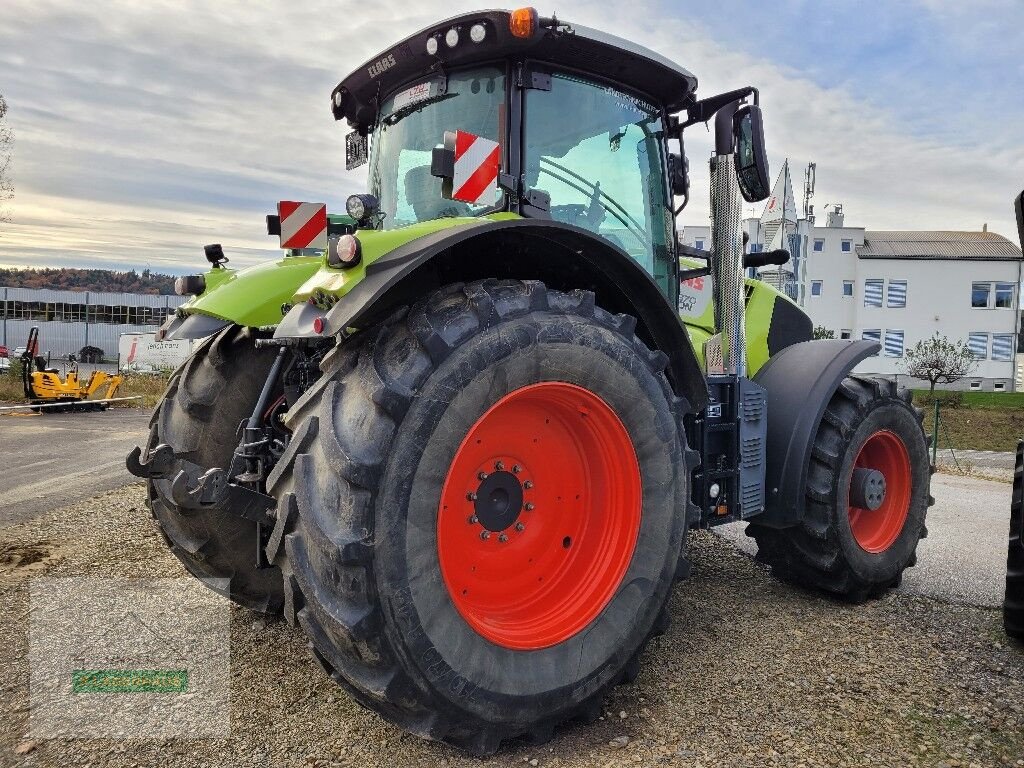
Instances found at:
x=562 y=256
x=800 y=381
x=249 y=297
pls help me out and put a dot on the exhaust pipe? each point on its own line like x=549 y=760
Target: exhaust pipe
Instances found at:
x=727 y=247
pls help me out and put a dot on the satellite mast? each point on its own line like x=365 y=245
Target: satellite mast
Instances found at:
x=809 y=179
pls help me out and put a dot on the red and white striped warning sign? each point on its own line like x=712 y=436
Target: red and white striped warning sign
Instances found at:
x=476 y=168
x=303 y=225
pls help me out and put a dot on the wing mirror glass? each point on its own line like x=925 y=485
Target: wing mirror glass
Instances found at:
x=1020 y=216
x=679 y=175
x=750 y=155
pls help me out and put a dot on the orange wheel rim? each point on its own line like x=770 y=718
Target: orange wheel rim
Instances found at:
x=875 y=530
x=539 y=515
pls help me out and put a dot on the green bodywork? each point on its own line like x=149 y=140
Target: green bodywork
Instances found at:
x=254 y=296
x=760 y=307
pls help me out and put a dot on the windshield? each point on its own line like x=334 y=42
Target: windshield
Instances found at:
x=413 y=122
x=598 y=152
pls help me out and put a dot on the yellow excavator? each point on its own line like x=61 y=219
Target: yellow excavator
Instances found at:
x=43 y=385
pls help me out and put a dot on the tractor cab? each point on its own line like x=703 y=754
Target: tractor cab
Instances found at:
x=490 y=112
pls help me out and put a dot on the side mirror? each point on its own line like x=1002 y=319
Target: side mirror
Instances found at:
x=679 y=175
x=750 y=154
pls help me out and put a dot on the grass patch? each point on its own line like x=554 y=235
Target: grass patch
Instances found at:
x=981 y=421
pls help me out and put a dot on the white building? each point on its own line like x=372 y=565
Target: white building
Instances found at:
x=898 y=288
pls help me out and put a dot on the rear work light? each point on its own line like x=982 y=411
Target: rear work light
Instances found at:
x=522 y=22
x=190 y=285
x=345 y=252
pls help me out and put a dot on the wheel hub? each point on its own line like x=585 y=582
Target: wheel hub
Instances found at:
x=867 y=489
x=499 y=500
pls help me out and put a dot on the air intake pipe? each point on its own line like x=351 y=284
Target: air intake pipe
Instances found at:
x=727 y=246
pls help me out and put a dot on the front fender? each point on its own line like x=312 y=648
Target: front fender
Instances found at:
x=800 y=381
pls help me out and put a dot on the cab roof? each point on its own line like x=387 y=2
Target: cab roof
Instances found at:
x=562 y=44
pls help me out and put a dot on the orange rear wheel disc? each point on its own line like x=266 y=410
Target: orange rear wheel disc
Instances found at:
x=539 y=515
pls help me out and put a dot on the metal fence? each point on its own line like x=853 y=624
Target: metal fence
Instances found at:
x=71 y=320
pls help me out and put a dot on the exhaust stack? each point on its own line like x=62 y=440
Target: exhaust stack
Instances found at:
x=727 y=246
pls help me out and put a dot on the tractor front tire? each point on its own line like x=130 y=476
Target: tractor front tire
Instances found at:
x=198 y=416
x=1013 y=604
x=858 y=533
x=482 y=510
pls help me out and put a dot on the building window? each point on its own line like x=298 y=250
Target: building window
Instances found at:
x=999 y=386
x=847 y=287
x=845 y=333
x=757 y=247
x=976 y=384
x=819 y=246
x=847 y=246
x=873 y=293
x=872 y=335
x=816 y=288
x=897 y=293
x=979 y=295
x=894 y=343
x=1002 y=346
x=978 y=344
x=1004 y=296
x=699 y=245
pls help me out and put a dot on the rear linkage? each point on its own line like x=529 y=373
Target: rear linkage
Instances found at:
x=262 y=442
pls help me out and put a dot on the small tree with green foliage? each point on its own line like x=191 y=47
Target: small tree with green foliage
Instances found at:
x=821 y=332
x=939 y=361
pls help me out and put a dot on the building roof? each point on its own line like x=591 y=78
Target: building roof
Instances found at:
x=938 y=245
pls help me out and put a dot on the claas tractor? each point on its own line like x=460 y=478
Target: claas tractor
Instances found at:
x=475 y=431
x=44 y=386
x=1013 y=603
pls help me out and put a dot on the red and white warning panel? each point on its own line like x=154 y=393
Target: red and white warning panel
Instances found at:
x=303 y=225
x=476 y=168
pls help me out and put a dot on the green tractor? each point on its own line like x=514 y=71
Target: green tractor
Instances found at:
x=462 y=448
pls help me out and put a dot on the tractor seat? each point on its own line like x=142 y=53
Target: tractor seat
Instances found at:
x=41 y=365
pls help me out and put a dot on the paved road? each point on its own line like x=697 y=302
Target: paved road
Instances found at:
x=963 y=560
x=49 y=460
x=1001 y=460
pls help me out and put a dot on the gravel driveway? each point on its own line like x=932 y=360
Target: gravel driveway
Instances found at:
x=751 y=673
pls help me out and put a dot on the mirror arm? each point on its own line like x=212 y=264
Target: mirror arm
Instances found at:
x=703 y=110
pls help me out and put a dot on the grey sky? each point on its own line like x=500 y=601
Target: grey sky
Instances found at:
x=144 y=130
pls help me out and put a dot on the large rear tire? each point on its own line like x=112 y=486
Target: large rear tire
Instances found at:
x=482 y=511
x=1013 y=605
x=199 y=416
x=858 y=533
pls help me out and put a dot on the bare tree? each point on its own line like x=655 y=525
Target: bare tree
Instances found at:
x=939 y=361
x=6 y=148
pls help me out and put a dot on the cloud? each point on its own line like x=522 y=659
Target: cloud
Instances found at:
x=146 y=130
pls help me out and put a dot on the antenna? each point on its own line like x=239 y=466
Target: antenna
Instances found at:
x=809 y=178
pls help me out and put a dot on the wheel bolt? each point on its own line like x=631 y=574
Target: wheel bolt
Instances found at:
x=499 y=465
x=528 y=484
x=473 y=520
x=520 y=527
x=485 y=535
x=482 y=475
x=528 y=507
x=516 y=469
x=502 y=538
x=471 y=496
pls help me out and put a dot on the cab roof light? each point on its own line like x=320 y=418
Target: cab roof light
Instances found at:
x=522 y=22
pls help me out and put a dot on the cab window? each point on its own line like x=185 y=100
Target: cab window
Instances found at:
x=597 y=152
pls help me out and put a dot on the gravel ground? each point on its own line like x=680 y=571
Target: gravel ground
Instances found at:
x=752 y=673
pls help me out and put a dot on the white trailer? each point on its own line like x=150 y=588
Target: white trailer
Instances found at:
x=142 y=353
